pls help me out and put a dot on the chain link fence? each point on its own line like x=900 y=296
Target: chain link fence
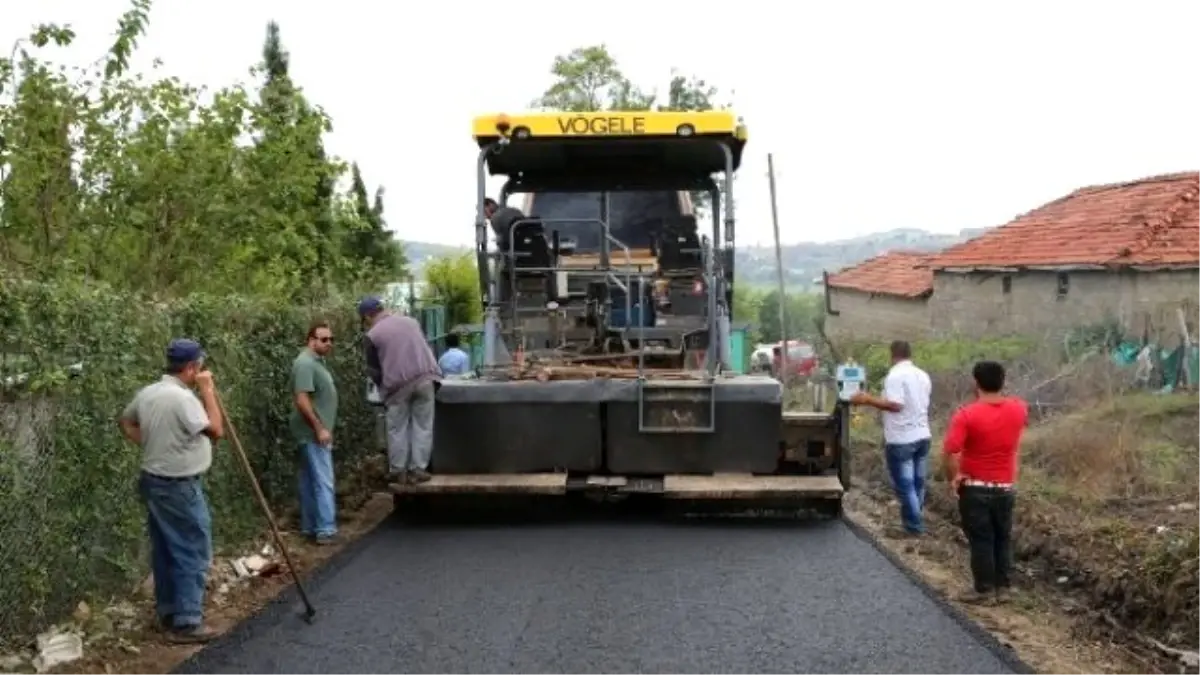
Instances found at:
x=71 y=525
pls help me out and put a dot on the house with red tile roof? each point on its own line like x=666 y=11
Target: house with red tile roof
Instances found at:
x=881 y=298
x=1126 y=252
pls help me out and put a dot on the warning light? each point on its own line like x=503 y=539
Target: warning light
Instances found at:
x=502 y=124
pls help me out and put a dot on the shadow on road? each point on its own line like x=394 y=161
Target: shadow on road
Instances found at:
x=531 y=511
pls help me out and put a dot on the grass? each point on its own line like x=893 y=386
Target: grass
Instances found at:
x=1099 y=500
x=1135 y=446
x=1108 y=486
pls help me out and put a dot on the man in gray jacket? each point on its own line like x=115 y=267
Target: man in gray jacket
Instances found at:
x=401 y=363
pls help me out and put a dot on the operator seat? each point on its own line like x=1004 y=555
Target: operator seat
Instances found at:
x=531 y=246
x=678 y=245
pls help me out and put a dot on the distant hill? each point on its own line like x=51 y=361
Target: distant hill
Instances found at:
x=419 y=253
x=803 y=262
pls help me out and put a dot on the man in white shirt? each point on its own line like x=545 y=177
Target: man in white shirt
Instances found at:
x=906 y=434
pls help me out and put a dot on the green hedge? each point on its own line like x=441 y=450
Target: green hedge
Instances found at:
x=71 y=526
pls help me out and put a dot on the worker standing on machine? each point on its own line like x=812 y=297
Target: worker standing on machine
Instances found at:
x=402 y=365
x=502 y=219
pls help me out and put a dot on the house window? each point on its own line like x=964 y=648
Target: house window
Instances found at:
x=1006 y=285
x=1064 y=284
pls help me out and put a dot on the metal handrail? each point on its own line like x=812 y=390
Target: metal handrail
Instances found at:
x=609 y=276
x=712 y=267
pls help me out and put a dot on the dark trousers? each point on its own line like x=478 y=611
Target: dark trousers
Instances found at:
x=987 y=517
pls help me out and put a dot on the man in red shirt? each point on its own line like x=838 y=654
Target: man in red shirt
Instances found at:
x=981 y=460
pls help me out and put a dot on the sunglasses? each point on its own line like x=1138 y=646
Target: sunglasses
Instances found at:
x=325 y=340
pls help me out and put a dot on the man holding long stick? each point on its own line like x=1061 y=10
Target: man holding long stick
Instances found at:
x=175 y=430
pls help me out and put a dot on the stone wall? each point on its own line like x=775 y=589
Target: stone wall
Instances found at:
x=979 y=303
x=876 y=316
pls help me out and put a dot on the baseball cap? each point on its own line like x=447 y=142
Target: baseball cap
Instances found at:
x=369 y=305
x=182 y=350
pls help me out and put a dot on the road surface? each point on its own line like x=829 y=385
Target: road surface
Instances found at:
x=610 y=596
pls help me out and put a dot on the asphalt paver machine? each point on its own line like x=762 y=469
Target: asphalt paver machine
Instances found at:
x=606 y=365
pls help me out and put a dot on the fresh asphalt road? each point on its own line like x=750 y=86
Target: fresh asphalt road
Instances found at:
x=608 y=596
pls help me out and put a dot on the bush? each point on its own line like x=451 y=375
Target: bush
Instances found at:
x=70 y=519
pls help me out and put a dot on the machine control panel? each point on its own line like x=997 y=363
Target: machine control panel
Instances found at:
x=851 y=379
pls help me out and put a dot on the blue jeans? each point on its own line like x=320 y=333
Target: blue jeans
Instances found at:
x=907 y=464
x=180 y=546
x=318 y=501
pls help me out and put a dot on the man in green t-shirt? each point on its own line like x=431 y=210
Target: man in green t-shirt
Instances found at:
x=314 y=416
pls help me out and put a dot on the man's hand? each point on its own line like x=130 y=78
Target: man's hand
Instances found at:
x=131 y=430
x=204 y=381
x=860 y=397
x=324 y=438
x=955 y=484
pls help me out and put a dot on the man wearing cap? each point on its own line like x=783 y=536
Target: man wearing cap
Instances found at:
x=402 y=365
x=175 y=429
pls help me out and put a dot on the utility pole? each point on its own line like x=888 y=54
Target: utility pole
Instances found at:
x=785 y=371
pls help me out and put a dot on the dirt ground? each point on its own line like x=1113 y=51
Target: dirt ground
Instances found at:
x=120 y=638
x=1043 y=630
x=1106 y=531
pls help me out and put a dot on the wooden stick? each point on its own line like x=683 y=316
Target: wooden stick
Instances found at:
x=309 y=611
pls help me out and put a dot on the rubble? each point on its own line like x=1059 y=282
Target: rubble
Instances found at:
x=11 y=663
x=256 y=565
x=113 y=626
x=56 y=647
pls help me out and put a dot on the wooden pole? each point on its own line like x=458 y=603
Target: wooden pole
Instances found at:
x=785 y=371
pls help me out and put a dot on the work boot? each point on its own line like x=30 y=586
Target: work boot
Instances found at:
x=398 y=477
x=191 y=635
x=974 y=597
x=420 y=476
x=898 y=532
x=327 y=540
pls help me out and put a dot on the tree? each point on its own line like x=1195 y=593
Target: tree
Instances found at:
x=454 y=282
x=588 y=79
x=290 y=132
x=394 y=260
x=146 y=184
x=366 y=238
x=803 y=310
x=747 y=302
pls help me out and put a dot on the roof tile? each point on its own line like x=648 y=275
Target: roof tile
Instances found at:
x=1151 y=221
x=892 y=273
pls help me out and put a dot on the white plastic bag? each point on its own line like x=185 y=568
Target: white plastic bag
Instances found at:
x=373 y=396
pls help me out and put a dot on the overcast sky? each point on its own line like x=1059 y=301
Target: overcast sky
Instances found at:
x=936 y=115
